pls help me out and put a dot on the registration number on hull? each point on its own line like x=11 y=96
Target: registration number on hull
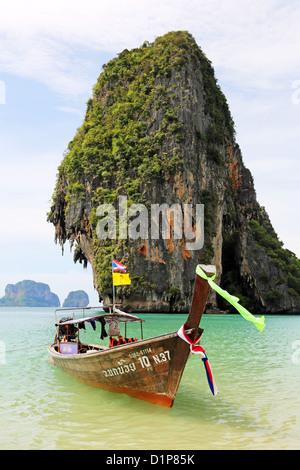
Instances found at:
x=145 y=361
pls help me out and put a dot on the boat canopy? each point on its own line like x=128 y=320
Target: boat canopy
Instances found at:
x=118 y=315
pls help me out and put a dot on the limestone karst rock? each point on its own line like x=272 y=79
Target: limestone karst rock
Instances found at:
x=76 y=298
x=158 y=130
x=29 y=294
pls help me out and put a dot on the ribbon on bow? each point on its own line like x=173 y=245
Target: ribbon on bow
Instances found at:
x=197 y=349
x=259 y=322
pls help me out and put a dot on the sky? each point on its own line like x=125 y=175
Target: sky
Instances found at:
x=51 y=54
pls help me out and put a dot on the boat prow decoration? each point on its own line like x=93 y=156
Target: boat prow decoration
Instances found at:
x=149 y=369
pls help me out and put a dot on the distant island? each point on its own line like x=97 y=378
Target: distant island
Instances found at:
x=77 y=298
x=29 y=294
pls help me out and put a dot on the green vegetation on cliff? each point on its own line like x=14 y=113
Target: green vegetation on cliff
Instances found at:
x=132 y=135
x=284 y=259
x=116 y=145
x=158 y=130
x=29 y=294
x=77 y=298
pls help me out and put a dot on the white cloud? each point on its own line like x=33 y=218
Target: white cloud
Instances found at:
x=253 y=46
x=253 y=43
x=69 y=109
x=26 y=186
x=45 y=60
x=269 y=134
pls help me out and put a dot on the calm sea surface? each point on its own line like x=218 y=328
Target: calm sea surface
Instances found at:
x=257 y=374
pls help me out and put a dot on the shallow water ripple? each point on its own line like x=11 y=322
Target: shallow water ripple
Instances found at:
x=257 y=407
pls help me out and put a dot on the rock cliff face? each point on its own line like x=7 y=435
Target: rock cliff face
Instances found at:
x=158 y=131
x=77 y=298
x=29 y=294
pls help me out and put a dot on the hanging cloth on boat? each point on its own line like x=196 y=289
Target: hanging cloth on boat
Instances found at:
x=103 y=330
x=259 y=322
x=114 y=329
x=93 y=323
x=197 y=349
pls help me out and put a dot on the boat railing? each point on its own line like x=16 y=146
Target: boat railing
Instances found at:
x=114 y=314
x=73 y=309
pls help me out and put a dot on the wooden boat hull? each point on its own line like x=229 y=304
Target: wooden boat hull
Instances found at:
x=150 y=369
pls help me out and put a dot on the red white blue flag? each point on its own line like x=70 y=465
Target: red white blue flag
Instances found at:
x=197 y=349
x=116 y=266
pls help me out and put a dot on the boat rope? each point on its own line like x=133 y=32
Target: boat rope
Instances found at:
x=197 y=349
x=259 y=322
x=21 y=349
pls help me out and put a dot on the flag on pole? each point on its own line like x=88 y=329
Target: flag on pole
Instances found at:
x=116 y=266
x=120 y=279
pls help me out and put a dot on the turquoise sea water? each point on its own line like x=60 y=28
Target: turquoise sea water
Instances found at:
x=257 y=374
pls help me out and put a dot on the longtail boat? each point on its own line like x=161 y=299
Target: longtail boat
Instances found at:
x=148 y=369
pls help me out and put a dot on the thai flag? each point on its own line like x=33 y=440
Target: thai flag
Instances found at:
x=197 y=349
x=118 y=266
x=209 y=375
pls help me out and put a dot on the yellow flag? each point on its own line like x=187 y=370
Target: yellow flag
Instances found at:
x=120 y=279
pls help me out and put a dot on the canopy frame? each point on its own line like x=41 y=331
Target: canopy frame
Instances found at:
x=117 y=315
